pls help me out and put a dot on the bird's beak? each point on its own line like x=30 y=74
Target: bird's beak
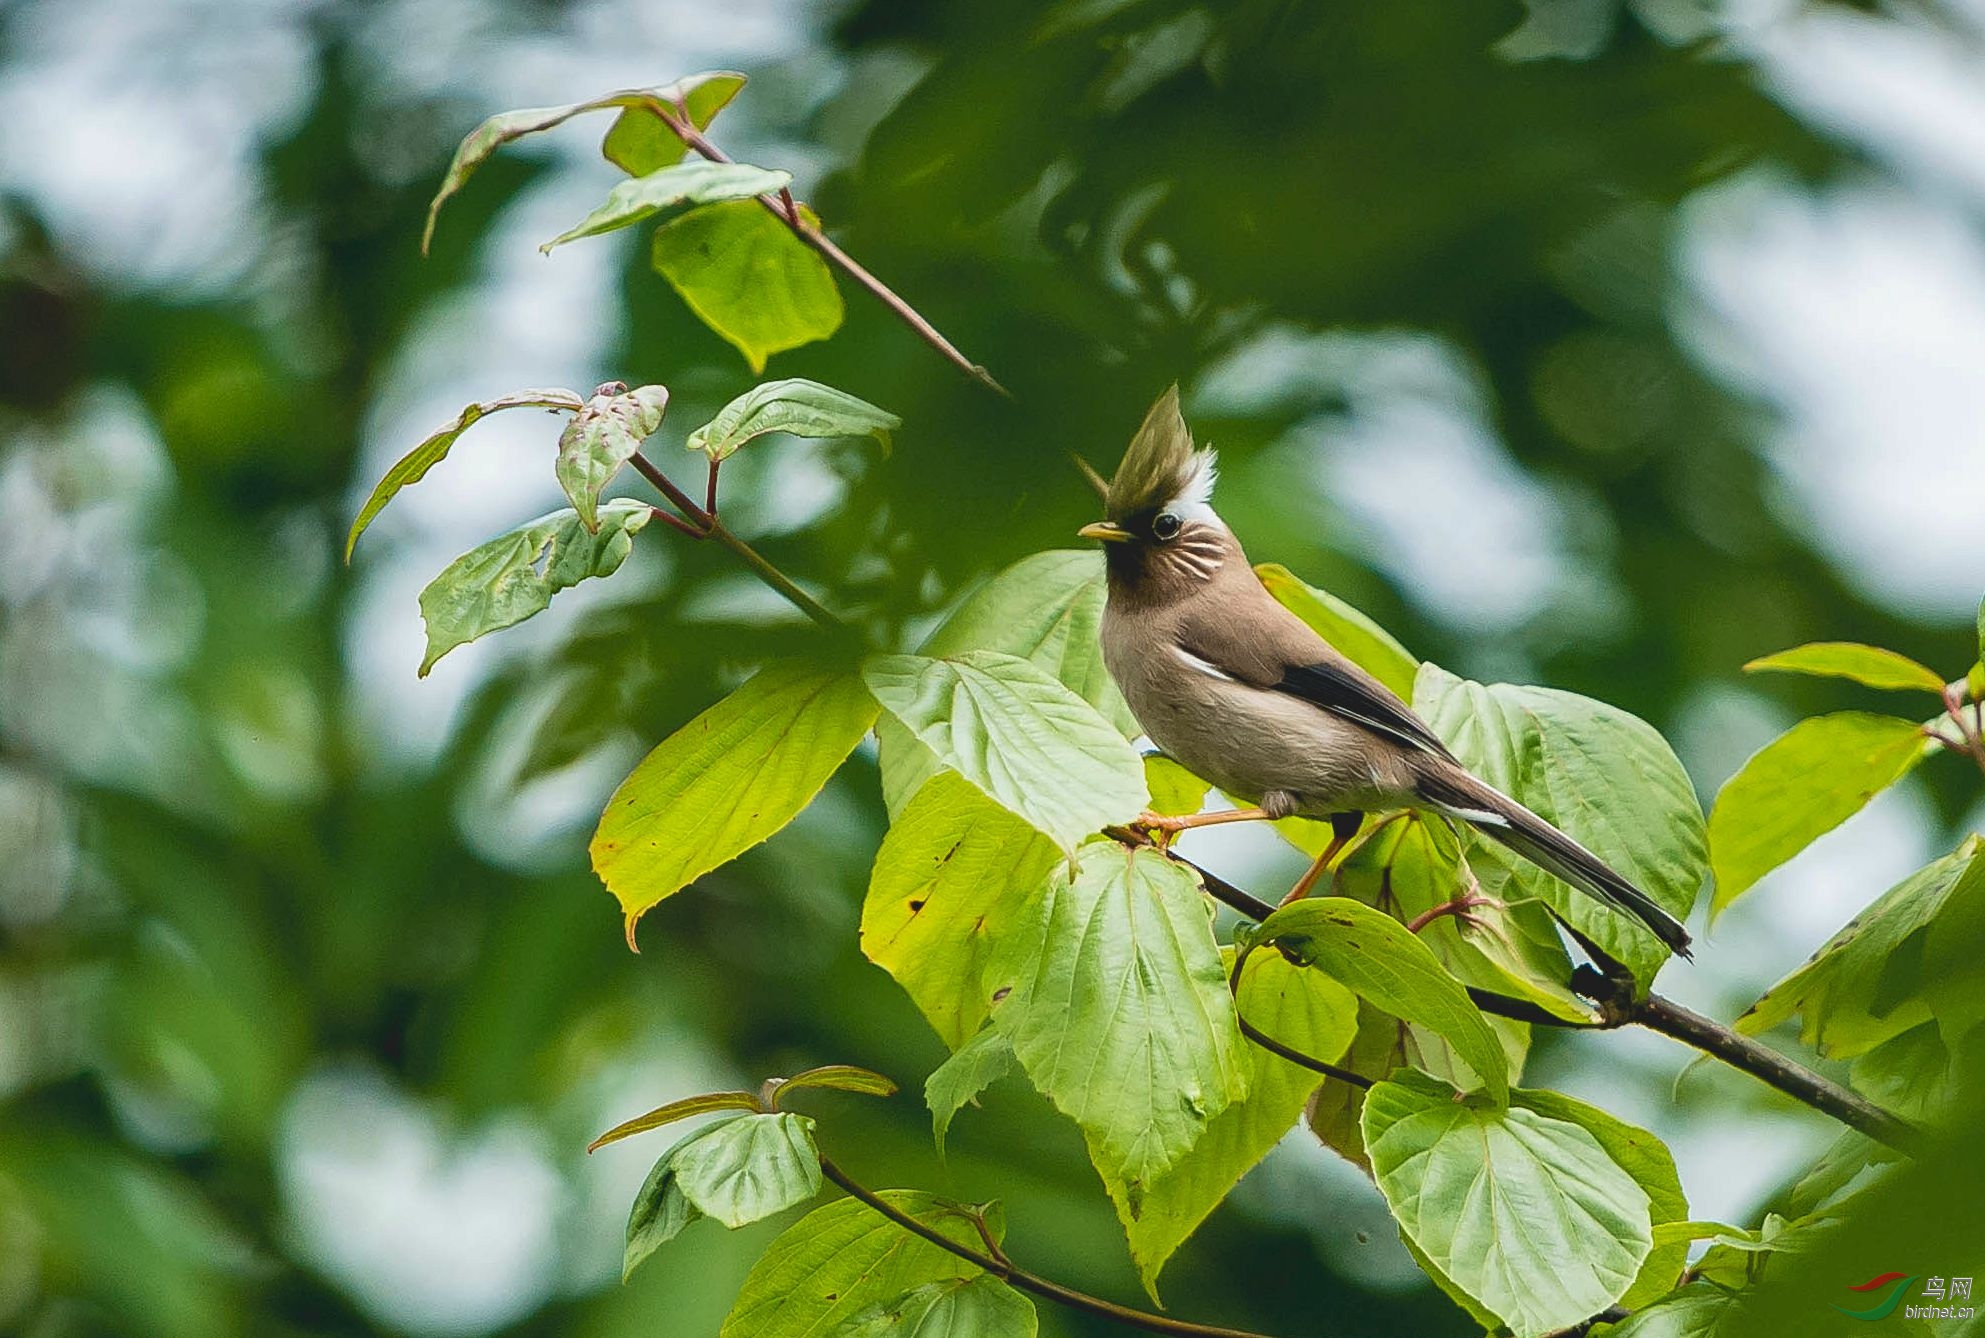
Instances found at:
x=1107 y=530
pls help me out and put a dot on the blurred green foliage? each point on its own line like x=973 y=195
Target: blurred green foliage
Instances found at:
x=276 y=985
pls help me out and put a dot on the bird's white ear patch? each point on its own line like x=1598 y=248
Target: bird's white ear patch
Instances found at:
x=1196 y=491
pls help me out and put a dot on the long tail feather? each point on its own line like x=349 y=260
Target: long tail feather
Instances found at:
x=1509 y=823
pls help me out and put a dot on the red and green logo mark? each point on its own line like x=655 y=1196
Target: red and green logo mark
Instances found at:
x=1895 y=1283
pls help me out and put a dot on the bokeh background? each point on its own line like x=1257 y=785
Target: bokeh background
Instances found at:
x=1599 y=343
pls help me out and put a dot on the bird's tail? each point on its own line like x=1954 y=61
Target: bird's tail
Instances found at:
x=1509 y=823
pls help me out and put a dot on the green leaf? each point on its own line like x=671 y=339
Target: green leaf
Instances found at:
x=640 y=142
x=1913 y=1075
x=953 y=873
x=1801 y=786
x=1696 y=1311
x=673 y=1111
x=1117 y=1007
x=1414 y=864
x=978 y=1064
x=1048 y=608
x=1647 y=1159
x=839 y=1077
x=697 y=181
x=1870 y=665
x=413 y=466
x=749 y=278
x=601 y=438
x=1017 y=733
x=839 y=1260
x=747 y=1168
x=796 y=407
x=1981 y=631
x=736 y=1170
x=1867 y=983
x=1175 y=792
x=513 y=577
x=661 y=1211
x=1381 y=961
x=1524 y=1212
x=727 y=780
x=647 y=143
x=1954 y=959
x=1303 y=1009
x=1604 y=777
x=1354 y=634
x=1378 y=1048
x=981 y=1307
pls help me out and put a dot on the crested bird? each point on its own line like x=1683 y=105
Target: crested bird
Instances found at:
x=1244 y=694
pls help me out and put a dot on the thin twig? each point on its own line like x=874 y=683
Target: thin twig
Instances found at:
x=787 y=211
x=1275 y=1047
x=707 y=526
x=671 y=519
x=1018 y=1277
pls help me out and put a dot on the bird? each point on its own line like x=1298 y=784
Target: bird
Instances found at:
x=1244 y=694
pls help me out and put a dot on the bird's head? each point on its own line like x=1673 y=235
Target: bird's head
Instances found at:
x=1160 y=532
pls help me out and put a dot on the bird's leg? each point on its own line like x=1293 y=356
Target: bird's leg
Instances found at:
x=1343 y=826
x=1167 y=826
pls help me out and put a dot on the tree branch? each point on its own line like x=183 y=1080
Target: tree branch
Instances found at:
x=1008 y=1272
x=1618 y=1008
x=1767 y=1065
x=787 y=211
x=702 y=524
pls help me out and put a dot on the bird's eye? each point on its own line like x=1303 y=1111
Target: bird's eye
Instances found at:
x=1166 y=525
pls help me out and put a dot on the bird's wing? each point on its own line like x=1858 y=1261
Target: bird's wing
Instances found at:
x=1342 y=688
x=1269 y=647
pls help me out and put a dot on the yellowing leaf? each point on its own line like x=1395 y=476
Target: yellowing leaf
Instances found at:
x=639 y=142
x=727 y=780
x=1869 y=665
x=749 y=278
x=953 y=872
x=1801 y=786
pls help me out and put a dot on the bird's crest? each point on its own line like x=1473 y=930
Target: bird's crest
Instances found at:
x=1161 y=467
